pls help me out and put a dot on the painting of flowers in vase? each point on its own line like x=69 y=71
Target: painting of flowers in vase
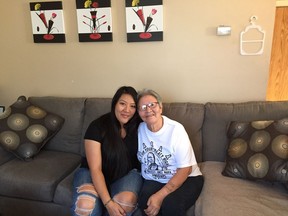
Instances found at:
x=47 y=22
x=94 y=20
x=144 y=20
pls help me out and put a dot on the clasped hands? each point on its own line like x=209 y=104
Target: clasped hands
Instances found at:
x=114 y=209
x=154 y=203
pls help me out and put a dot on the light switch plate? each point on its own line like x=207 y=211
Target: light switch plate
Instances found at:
x=223 y=30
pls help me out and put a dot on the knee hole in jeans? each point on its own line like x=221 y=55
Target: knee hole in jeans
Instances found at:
x=89 y=188
x=85 y=203
x=127 y=200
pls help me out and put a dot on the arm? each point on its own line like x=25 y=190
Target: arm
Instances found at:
x=94 y=158
x=155 y=201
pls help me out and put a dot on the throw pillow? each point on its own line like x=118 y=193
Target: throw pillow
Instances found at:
x=258 y=150
x=286 y=185
x=26 y=128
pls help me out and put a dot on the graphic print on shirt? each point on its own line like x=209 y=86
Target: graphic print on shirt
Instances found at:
x=155 y=163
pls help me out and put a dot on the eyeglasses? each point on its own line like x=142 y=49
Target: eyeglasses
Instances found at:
x=151 y=105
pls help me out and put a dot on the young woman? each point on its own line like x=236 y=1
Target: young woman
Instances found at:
x=110 y=181
x=173 y=180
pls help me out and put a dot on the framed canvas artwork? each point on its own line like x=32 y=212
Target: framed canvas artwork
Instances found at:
x=94 y=20
x=144 y=20
x=47 y=22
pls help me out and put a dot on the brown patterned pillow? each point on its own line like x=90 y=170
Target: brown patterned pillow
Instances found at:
x=286 y=185
x=258 y=150
x=25 y=128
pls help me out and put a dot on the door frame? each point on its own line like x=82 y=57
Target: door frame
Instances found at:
x=277 y=78
x=281 y=3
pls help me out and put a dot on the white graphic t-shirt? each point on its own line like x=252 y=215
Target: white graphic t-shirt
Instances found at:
x=162 y=152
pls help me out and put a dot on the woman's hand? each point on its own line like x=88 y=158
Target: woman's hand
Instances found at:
x=155 y=201
x=114 y=209
x=154 y=204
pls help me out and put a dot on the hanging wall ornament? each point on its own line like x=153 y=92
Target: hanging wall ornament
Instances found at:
x=47 y=22
x=252 y=39
x=144 y=20
x=94 y=20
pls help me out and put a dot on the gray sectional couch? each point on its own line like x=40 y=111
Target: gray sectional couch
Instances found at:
x=43 y=185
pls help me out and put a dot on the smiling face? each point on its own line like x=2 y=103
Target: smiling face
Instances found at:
x=152 y=115
x=125 y=108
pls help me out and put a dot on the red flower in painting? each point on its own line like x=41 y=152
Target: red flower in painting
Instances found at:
x=95 y=4
x=154 y=11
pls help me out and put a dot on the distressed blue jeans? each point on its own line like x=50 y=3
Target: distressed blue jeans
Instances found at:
x=131 y=182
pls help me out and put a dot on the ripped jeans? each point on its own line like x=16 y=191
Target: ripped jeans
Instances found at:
x=82 y=179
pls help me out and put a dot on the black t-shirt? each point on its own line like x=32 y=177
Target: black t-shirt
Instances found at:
x=96 y=131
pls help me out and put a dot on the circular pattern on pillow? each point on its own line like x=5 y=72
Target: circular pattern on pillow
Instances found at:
x=282 y=125
x=280 y=146
x=52 y=122
x=26 y=128
x=237 y=148
x=36 y=133
x=35 y=112
x=259 y=140
x=281 y=170
x=18 y=122
x=9 y=140
x=27 y=150
x=258 y=150
x=5 y=113
x=261 y=124
x=258 y=165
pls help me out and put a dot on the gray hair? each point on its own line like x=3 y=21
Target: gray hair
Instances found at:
x=151 y=92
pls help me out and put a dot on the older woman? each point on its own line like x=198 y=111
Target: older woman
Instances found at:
x=173 y=180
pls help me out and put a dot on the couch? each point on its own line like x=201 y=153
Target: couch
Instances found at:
x=43 y=185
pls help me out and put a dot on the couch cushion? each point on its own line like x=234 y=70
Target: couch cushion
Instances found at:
x=5 y=156
x=223 y=195
x=38 y=179
x=72 y=109
x=286 y=186
x=94 y=108
x=219 y=115
x=258 y=150
x=64 y=191
x=25 y=128
x=25 y=207
x=191 y=116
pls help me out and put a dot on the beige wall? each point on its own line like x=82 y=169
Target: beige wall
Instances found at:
x=191 y=64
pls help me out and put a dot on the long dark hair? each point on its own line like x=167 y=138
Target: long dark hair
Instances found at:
x=116 y=160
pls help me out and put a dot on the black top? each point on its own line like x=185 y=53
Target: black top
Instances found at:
x=119 y=158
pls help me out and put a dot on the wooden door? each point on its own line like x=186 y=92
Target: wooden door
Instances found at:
x=278 y=75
